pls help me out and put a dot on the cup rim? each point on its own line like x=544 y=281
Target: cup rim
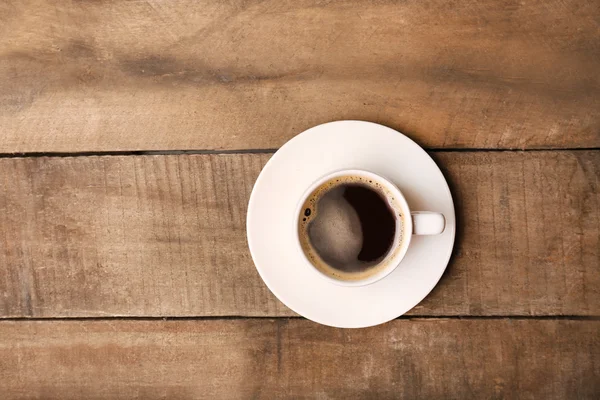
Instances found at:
x=393 y=262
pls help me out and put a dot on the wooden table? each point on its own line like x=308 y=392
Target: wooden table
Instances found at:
x=131 y=133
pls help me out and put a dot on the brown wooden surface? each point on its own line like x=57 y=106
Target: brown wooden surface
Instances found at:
x=152 y=236
x=273 y=359
x=160 y=75
x=165 y=236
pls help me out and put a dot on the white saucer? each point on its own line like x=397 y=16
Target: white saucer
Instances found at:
x=306 y=158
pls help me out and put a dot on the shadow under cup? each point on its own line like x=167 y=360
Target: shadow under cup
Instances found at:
x=353 y=227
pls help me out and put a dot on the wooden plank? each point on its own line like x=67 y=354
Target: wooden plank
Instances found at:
x=188 y=74
x=165 y=236
x=252 y=359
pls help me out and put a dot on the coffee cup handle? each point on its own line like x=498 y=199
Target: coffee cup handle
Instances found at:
x=427 y=223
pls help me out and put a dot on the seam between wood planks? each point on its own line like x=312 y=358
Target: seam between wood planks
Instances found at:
x=240 y=317
x=256 y=151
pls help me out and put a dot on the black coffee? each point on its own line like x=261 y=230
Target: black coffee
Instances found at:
x=349 y=225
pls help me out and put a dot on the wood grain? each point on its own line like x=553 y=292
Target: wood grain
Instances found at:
x=165 y=236
x=262 y=359
x=187 y=74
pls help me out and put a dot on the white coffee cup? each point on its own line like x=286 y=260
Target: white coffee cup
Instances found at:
x=411 y=223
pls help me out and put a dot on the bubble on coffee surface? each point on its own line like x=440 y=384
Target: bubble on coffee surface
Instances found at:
x=348 y=227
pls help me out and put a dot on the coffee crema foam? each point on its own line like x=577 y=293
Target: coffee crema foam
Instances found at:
x=344 y=230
